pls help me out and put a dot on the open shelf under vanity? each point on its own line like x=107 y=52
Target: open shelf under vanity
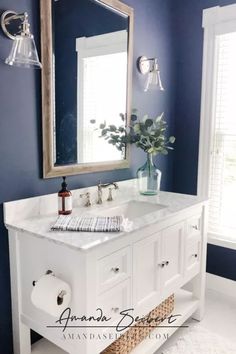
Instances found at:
x=185 y=304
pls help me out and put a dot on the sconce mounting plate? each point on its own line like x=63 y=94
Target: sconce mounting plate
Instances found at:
x=143 y=65
x=9 y=27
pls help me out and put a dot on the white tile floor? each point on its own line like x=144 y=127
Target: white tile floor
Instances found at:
x=220 y=318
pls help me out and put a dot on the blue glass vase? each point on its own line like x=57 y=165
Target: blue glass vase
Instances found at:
x=149 y=177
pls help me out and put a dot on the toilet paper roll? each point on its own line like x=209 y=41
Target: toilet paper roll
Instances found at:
x=51 y=295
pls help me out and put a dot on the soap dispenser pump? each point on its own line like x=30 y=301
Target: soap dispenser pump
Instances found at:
x=64 y=199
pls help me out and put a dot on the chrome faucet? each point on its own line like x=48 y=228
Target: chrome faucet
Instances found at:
x=105 y=185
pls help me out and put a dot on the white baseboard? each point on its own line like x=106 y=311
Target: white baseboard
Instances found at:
x=222 y=285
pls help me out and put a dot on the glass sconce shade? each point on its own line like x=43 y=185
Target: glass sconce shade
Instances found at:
x=150 y=66
x=17 y=28
x=24 y=53
x=153 y=81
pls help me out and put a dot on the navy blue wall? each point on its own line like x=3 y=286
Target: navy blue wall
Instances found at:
x=188 y=34
x=20 y=125
x=221 y=261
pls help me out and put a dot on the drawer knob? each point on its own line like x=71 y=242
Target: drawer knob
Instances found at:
x=162 y=265
x=195 y=255
x=115 y=309
x=195 y=227
x=115 y=270
x=167 y=263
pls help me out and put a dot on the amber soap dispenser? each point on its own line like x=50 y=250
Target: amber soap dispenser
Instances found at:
x=64 y=199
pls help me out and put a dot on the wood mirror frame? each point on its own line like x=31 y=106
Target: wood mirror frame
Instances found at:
x=49 y=169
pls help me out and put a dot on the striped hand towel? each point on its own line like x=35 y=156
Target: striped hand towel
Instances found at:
x=92 y=224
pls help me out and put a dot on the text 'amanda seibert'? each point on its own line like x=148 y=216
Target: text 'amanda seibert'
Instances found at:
x=125 y=320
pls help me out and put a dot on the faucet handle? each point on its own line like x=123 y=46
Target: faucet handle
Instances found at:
x=115 y=185
x=87 y=196
x=110 y=197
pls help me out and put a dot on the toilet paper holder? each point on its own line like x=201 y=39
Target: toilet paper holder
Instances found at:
x=48 y=272
x=62 y=293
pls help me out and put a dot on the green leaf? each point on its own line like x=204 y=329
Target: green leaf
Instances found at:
x=112 y=128
x=122 y=116
x=148 y=123
x=121 y=129
x=145 y=117
x=137 y=128
x=164 y=152
x=104 y=132
x=159 y=118
x=157 y=144
x=172 y=139
x=102 y=126
x=133 y=117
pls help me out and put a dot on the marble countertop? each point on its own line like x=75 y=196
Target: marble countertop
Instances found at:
x=39 y=224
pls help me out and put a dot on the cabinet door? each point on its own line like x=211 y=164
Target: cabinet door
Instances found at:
x=146 y=274
x=172 y=272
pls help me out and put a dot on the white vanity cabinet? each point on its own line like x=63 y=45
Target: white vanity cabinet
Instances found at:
x=164 y=254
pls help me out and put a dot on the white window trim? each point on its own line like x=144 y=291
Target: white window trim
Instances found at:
x=109 y=43
x=216 y=20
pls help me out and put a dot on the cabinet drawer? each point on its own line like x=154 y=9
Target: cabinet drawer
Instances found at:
x=115 y=300
x=112 y=302
x=194 y=225
x=113 y=269
x=193 y=256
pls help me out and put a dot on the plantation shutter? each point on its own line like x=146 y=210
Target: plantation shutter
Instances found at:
x=222 y=211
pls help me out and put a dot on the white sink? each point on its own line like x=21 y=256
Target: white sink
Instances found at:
x=131 y=210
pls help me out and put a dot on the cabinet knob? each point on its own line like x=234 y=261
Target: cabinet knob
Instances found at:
x=162 y=265
x=167 y=263
x=195 y=255
x=115 y=309
x=115 y=270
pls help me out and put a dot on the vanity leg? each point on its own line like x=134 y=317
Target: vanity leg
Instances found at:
x=199 y=293
x=21 y=333
x=199 y=283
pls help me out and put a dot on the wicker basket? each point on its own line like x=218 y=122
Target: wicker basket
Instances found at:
x=141 y=330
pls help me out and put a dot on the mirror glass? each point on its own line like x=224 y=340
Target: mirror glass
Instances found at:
x=90 y=62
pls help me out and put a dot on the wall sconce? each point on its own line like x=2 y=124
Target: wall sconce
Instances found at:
x=24 y=52
x=150 y=66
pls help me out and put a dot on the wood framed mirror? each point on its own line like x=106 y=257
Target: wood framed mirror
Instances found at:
x=87 y=54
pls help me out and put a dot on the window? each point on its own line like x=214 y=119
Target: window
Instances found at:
x=217 y=155
x=106 y=53
x=222 y=213
x=98 y=103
